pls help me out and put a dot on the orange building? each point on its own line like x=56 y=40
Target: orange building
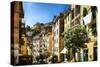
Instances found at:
x=16 y=16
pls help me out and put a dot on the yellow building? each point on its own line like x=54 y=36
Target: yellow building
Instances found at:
x=49 y=47
x=86 y=16
x=90 y=12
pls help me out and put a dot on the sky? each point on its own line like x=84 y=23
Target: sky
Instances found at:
x=41 y=12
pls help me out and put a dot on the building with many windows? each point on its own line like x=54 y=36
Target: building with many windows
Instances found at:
x=89 y=19
x=47 y=37
x=57 y=30
x=16 y=18
x=86 y=16
x=36 y=47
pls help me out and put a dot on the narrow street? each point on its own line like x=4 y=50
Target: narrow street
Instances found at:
x=47 y=33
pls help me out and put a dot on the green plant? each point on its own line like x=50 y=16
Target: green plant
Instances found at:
x=75 y=38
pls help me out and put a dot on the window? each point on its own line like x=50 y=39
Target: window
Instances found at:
x=73 y=14
x=57 y=31
x=85 y=54
x=95 y=53
x=22 y=41
x=77 y=10
x=94 y=30
x=85 y=12
x=93 y=10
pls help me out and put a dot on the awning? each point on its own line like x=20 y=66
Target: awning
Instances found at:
x=64 y=51
x=87 y=18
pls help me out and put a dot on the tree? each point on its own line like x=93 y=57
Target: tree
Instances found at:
x=74 y=38
x=28 y=28
x=35 y=32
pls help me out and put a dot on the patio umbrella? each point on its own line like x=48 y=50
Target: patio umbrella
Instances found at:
x=64 y=51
